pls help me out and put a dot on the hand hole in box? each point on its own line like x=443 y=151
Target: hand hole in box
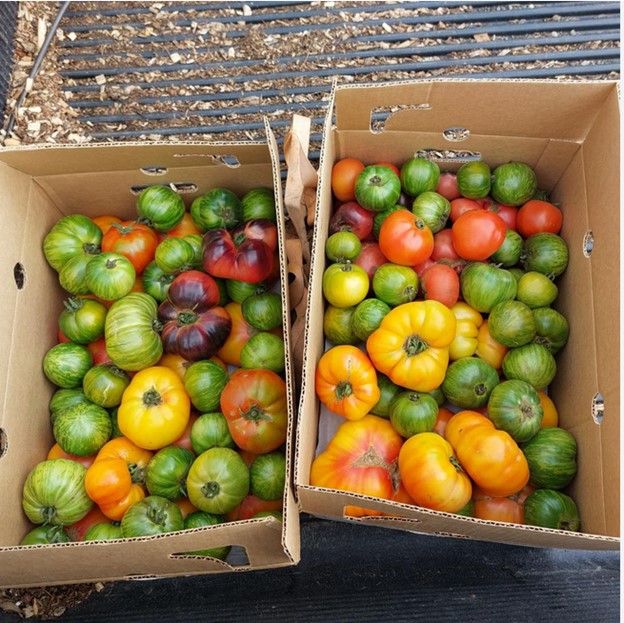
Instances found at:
x=588 y=243
x=381 y=115
x=456 y=135
x=154 y=170
x=597 y=408
x=4 y=442
x=19 y=275
x=227 y=159
x=234 y=556
x=448 y=155
x=181 y=188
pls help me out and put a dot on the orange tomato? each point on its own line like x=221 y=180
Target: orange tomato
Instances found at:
x=360 y=458
x=346 y=382
x=105 y=222
x=239 y=335
x=490 y=456
x=444 y=415
x=116 y=510
x=551 y=416
x=505 y=509
x=344 y=174
x=186 y=227
x=56 y=452
x=135 y=457
x=432 y=474
x=184 y=504
x=174 y=362
x=405 y=239
x=488 y=348
x=108 y=480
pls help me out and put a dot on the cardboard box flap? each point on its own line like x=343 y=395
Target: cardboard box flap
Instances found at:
x=566 y=111
x=149 y=158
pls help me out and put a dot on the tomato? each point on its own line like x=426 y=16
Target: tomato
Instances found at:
x=370 y=258
x=468 y=383
x=444 y=415
x=440 y=283
x=104 y=385
x=432 y=475
x=184 y=440
x=108 y=481
x=265 y=350
x=186 y=227
x=490 y=456
x=345 y=285
x=484 y=286
x=395 y=284
x=156 y=281
x=405 y=239
x=546 y=253
x=377 y=188
x=62 y=338
x=177 y=363
x=396 y=169
x=110 y=276
x=505 y=509
x=104 y=531
x=367 y=317
x=412 y=413
x=54 y=493
x=433 y=209
x=155 y=408
x=73 y=236
x=443 y=246
x=131 y=330
x=82 y=429
x=551 y=416
x=447 y=186
x=45 y=535
x=509 y=214
x=468 y=321
x=537 y=216
x=161 y=207
x=353 y=218
x=263 y=311
x=343 y=176
x=56 y=452
x=204 y=381
x=360 y=458
x=62 y=399
x=513 y=183
x=419 y=175
x=532 y=363
x=477 y=234
x=254 y=404
x=133 y=240
x=411 y=346
x=346 y=382
x=474 y=179
x=219 y=207
x=462 y=205
x=210 y=430
x=98 y=351
x=105 y=222
x=152 y=515
x=218 y=480
x=551 y=509
x=343 y=246
x=185 y=506
x=508 y=254
x=536 y=290
x=268 y=476
x=118 y=508
x=66 y=364
x=82 y=320
x=166 y=472
x=175 y=255
x=488 y=348
x=251 y=506
x=514 y=406
x=258 y=203
x=551 y=454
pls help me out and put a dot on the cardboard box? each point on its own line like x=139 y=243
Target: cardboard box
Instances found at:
x=569 y=133
x=39 y=186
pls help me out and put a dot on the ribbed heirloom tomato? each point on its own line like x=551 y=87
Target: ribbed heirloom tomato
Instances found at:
x=346 y=382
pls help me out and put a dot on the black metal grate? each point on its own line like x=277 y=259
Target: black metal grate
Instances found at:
x=152 y=70
x=8 y=17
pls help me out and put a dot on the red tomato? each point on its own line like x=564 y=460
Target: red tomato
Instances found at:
x=184 y=440
x=441 y=283
x=133 y=240
x=462 y=205
x=370 y=258
x=443 y=246
x=505 y=509
x=390 y=166
x=423 y=266
x=507 y=213
x=351 y=216
x=447 y=186
x=537 y=216
x=251 y=506
x=405 y=239
x=98 y=351
x=477 y=234
x=343 y=178
x=77 y=531
x=62 y=338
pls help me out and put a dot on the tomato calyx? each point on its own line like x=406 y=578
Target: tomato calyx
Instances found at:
x=456 y=464
x=254 y=413
x=187 y=317
x=480 y=389
x=414 y=345
x=211 y=489
x=137 y=473
x=370 y=458
x=91 y=249
x=124 y=229
x=343 y=390
x=152 y=398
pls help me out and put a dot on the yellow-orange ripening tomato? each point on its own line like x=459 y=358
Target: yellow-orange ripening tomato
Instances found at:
x=346 y=382
x=490 y=457
x=344 y=174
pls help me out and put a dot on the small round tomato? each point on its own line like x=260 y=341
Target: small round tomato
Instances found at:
x=537 y=216
x=405 y=239
x=133 y=240
x=370 y=258
x=462 y=205
x=440 y=283
x=509 y=214
x=344 y=174
x=390 y=166
x=443 y=246
x=345 y=285
x=186 y=227
x=505 y=509
x=447 y=186
x=477 y=234
x=551 y=416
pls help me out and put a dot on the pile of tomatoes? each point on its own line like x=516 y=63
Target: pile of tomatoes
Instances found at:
x=170 y=408
x=442 y=341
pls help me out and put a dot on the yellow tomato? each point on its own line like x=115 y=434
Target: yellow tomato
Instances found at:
x=551 y=415
x=411 y=346
x=488 y=348
x=154 y=409
x=468 y=321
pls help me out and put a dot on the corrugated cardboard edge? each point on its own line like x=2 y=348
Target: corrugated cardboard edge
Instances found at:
x=331 y=503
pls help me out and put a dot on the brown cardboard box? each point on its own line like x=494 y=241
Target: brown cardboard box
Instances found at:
x=39 y=186
x=569 y=133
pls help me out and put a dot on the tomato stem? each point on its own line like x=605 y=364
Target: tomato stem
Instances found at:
x=91 y=249
x=111 y=263
x=152 y=398
x=49 y=512
x=480 y=389
x=254 y=413
x=137 y=473
x=186 y=317
x=73 y=304
x=210 y=489
x=343 y=390
x=375 y=180
x=123 y=230
x=456 y=464
x=414 y=345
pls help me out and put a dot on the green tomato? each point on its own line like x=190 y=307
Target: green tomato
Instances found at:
x=268 y=476
x=66 y=364
x=395 y=284
x=156 y=281
x=412 y=413
x=377 y=188
x=218 y=207
x=105 y=384
x=166 y=472
x=263 y=311
x=110 y=276
x=200 y=519
x=337 y=325
x=204 y=381
x=152 y=515
x=175 y=255
x=161 y=206
x=82 y=321
x=71 y=236
x=264 y=350
x=83 y=429
x=343 y=246
x=210 y=430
